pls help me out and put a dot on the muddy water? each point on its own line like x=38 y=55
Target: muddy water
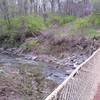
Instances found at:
x=22 y=79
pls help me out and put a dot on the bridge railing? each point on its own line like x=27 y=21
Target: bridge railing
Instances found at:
x=80 y=85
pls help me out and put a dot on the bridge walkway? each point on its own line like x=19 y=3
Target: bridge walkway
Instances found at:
x=82 y=83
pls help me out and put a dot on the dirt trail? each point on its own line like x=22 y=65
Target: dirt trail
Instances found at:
x=97 y=86
x=97 y=96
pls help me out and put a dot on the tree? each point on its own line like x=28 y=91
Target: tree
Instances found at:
x=52 y=2
x=59 y=5
x=4 y=8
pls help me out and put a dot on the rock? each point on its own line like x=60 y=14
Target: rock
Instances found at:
x=70 y=65
x=3 y=91
x=9 y=50
x=1 y=71
x=30 y=57
x=1 y=49
x=68 y=72
x=12 y=92
x=50 y=74
x=56 y=76
x=19 y=51
x=34 y=57
x=5 y=52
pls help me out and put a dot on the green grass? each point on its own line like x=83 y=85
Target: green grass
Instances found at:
x=31 y=23
x=28 y=45
x=61 y=20
x=92 y=33
x=87 y=26
x=25 y=23
x=14 y=34
x=95 y=19
x=87 y=21
x=81 y=23
x=19 y=26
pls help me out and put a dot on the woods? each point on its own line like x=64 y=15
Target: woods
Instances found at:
x=20 y=17
x=42 y=42
x=27 y=7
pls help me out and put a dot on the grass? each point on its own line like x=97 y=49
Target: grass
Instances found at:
x=95 y=19
x=81 y=22
x=57 y=19
x=31 y=23
x=15 y=33
x=87 y=26
x=28 y=45
x=92 y=33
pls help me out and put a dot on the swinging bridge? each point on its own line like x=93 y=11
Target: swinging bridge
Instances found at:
x=82 y=83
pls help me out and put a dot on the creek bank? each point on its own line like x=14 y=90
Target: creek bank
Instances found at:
x=35 y=74
x=59 y=53
x=20 y=80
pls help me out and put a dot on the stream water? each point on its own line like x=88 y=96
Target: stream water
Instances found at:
x=22 y=79
x=49 y=71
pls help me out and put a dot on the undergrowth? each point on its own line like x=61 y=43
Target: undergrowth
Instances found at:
x=15 y=33
x=61 y=20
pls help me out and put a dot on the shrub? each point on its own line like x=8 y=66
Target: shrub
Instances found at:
x=81 y=22
x=34 y=23
x=29 y=23
x=95 y=19
x=92 y=33
x=67 y=19
x=20 y=25
x=29 y=44
x=61 y=20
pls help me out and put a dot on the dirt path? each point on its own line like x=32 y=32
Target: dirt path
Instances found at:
x=97 y=96
x=97 y=88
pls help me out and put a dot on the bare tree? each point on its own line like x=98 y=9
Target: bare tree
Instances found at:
x=26 y=7
x=4 y=8
x=52 y=2
x=59 y=6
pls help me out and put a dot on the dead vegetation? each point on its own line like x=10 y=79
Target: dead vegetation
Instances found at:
x=58 y=45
